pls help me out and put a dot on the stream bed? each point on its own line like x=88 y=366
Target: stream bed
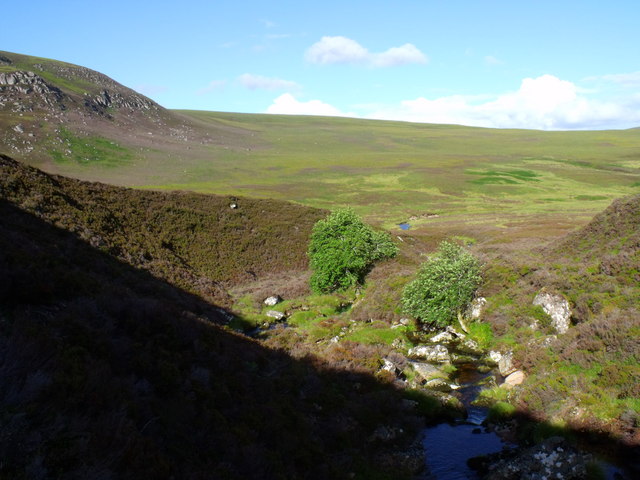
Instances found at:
x=450 y=445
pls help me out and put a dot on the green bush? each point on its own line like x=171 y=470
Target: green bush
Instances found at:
x=342 y=249
x=444 y=286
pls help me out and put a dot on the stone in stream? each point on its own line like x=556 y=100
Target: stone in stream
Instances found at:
x=430 y=353
x=427 y=371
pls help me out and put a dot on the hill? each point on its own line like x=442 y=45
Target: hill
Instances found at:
x=588 y=378
x=529 y=184
x=198 y=242
x=110 y=371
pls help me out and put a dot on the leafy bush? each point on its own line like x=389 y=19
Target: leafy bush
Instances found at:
x=444 y=286
x=342 y=249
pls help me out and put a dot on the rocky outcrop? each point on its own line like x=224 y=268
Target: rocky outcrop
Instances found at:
x=557 y=307
x=15 y=85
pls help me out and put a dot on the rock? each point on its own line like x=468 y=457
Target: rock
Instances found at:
x=494 y=356
x=427 y=371
x=557 y=307
x=431 y=353
x=445 y=337
x=389 y=366
x=440 y=385
x=505 y=364
x=404 y=321
x=513 y=379
x=275 y=314
x=552 y=459
x=477 y=306
x=469 y=346
x=272 y=300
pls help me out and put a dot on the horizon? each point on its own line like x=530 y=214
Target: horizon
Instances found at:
x=494 y=65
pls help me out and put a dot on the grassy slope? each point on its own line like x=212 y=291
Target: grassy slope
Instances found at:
x=589 y=377
x=391 y=170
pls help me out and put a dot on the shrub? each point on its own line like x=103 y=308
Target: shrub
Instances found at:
x=342 y=249
x=444 y=286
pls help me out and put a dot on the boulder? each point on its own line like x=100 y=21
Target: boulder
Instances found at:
x=272 y=300
x=513 y=379
x=441 y=385
x=275 y=314
x=505 y=364
x=431 y=353
x=427 y=371
x=557 y=307
x=445 y=337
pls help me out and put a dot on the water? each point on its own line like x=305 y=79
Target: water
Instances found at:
x=450 y=445
x=404 y=226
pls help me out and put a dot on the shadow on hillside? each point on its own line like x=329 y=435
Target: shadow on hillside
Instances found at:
x=109 y=372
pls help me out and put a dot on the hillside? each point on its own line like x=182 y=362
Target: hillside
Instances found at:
x=588 y=378
x=198 y=242
x=529 y=184
x=108 y=371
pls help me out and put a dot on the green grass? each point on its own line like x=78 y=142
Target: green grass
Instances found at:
x=89 y=151
x=389 y=170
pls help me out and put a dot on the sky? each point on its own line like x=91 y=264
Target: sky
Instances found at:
x=552 y=65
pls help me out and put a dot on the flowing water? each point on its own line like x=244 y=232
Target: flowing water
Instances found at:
x=450 y=445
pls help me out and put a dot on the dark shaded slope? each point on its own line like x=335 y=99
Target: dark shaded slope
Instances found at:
x=197 y=242
x=109 y=372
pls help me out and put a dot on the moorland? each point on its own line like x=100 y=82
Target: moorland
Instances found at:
x=171 y=273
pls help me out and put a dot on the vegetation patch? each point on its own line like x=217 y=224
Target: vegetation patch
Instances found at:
x=89 y=150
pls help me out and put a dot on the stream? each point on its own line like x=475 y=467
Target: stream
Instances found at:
x=450 y=445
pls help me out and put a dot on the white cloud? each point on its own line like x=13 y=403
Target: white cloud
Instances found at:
x=214 y=85
x=289 y=105
x=340 y=49
x=258 y=82
x=545 y=102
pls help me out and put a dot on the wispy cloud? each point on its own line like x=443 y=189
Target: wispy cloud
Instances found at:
x=338 y=49
x=491 y=60
x=268 y=23
x=289 y=105
x=258 y=82
x=623 y=79
x=212 y=86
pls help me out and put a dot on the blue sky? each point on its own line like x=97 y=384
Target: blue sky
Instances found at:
x=524 y=64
